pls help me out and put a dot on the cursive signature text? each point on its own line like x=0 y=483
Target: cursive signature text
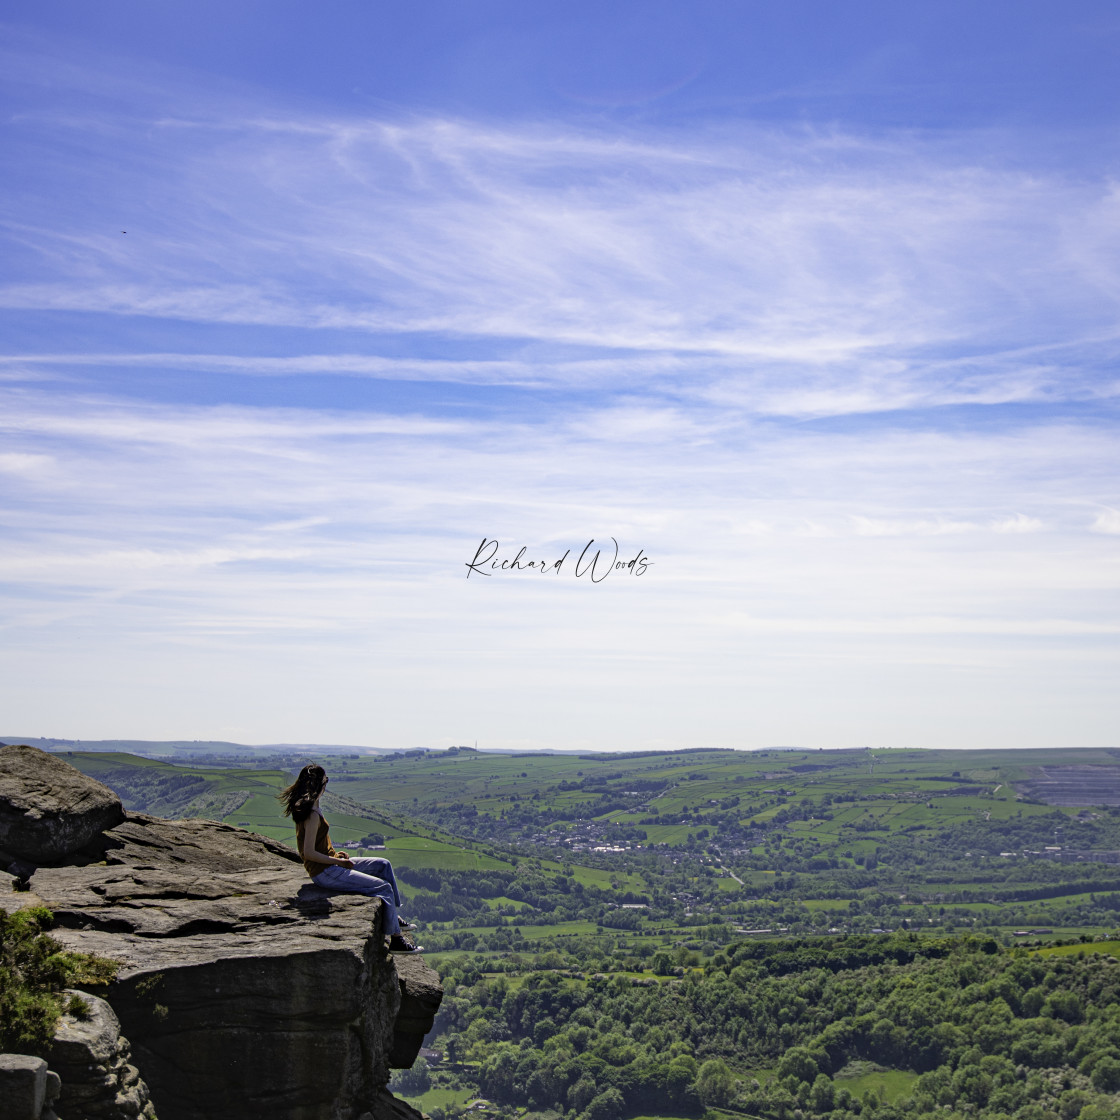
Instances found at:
x=595 y=561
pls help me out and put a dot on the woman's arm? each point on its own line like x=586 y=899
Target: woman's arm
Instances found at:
x=310 y=831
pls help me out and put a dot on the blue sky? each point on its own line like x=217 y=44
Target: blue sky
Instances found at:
x=814 y=304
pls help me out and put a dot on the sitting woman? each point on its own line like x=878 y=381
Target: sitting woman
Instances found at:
x=330 y=868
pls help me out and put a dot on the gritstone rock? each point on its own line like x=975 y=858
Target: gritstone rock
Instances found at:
x=92 y=1058
x=23 y=1083
x=244 y=989
x=49 y=810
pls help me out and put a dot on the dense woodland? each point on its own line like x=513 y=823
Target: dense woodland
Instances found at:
x=771 y=1028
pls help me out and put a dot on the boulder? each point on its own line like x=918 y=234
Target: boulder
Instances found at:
x=91 y=1057
x=23 y=1086
x=49 y=810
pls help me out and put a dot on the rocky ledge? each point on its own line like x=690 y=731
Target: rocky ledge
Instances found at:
x=244 y=989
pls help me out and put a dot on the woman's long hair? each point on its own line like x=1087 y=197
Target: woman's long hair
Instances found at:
x=300 y=796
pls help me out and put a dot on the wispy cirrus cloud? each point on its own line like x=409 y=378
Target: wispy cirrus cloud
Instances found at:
x=868 y=385
x=792 y=246
x=796 y=275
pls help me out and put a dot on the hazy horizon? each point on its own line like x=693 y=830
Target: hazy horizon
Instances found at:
x=53 y=744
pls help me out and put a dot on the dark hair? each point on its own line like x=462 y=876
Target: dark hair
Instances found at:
x=300 y=796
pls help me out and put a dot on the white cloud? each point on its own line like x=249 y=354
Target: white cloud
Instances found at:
x=1107 y=521
x=879 y=527
x=24 y=464
x=1017 y=523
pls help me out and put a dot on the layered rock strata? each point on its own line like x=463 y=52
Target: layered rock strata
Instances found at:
x=92 y=1059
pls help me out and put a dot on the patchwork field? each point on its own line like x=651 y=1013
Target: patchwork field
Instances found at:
x=849 y=840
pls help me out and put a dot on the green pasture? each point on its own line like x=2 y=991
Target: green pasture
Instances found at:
x=1061 y=900
x=538 y=933
x=624 y=816
x=442 y=1098
x=756 y=877
x=503 y=903
x=560 y=799
x=890 y=1084
x=669 y=833
x=96 y=763
x=228 y=780
x=766 y=815
x=261 y=809
x=847 y=815
x=990 y=775
x=577 y=928
x=1067 y=933
x=414 y=851
x=414 y=843
x=1110 y=948
x=598 y=876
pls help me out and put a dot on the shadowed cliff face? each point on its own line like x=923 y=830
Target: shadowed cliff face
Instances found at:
x=245 y=990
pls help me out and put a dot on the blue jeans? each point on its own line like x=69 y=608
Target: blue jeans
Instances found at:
x=370 y=875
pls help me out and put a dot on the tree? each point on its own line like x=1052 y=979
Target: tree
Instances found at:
x=543 y=1030
x=608 y=1105
x=1063 y=1005
x=412 y=1082
x=823 y=1094
x=715 y=1084
x=1106 y=1075
x=498 y=1075
x=582 y=1093
x=799 y=1064
x=679 y=1075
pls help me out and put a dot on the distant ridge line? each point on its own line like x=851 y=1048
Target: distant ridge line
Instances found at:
x=189 y=745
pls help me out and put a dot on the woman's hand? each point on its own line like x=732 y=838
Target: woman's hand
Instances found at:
x=344 y=862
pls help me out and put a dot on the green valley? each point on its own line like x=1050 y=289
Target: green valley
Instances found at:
x=832 y=934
